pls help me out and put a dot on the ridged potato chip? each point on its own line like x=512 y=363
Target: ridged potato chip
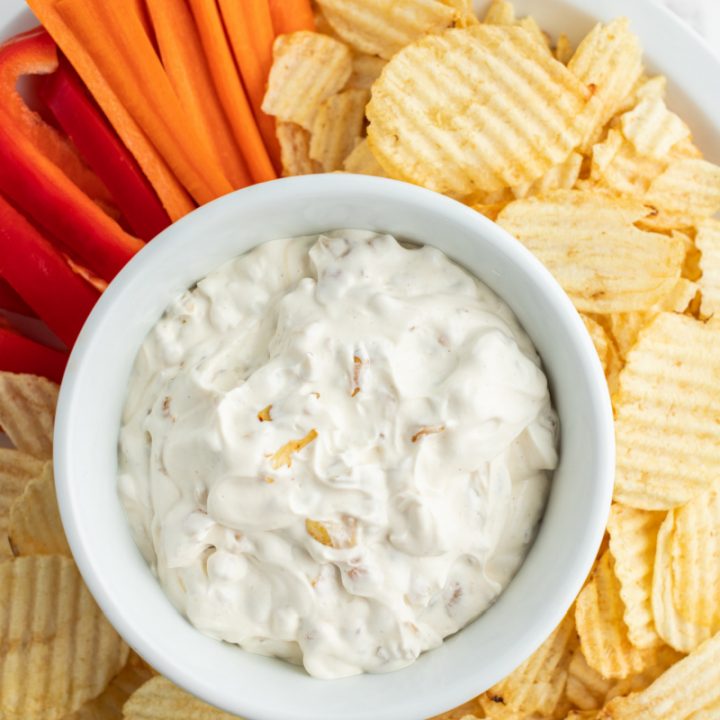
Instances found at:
x=159 y=699
x=464 y=12
x=294 y=144
x=609 y=62
x=588 y=242
x=27 y=412
x=652 y=128
x=35 y=527
x=362 y=161
x=674 y=629
x=449 y=113
x=537 y=685
x=59 y=650
x=603 y=634
x=16 y=471
x=560 y=177
x=695 y=559
x=338 y=128
x=366 y=70
x=633 y=541
x=490 y=210
x=500 y=12
x=586 y=688
x=689 y=687
x=708 y=242
x=667 y=434
x=307 y=69
x=530 y=24
x=383 y=27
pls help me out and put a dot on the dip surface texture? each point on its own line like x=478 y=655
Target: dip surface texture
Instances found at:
x=336 y=450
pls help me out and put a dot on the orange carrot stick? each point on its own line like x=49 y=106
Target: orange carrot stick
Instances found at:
x=291 y=15
x=250 y=30
x=114 y=35
x=230 y=89
x=185 y=63
x=171 y=193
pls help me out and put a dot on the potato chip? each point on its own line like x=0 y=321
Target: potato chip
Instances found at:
x=586 y=688
x=338 y=128
x=695 y=559
x=609 y=62
x=441 y=106
x=652 y=128
x=366 y=70
x=690 y=686
x=561 y=177
x=627 y=270
x=159 y=699
x=667 y=434
x=109 y=704
x=603 y=634
x=687 y=192
x=307 y=69
x=530 y=24
x=362 y=161
x=383 y=27
x=464 y=12
x=500 y=12
x=27 y=412
x=563 y=49
x=59 y=650
x=633 y=541
x=467 y=710
x=295 y=150
x=490 y=210
x=35 y=526
x=600 y=339
x=582 y=715
x=537 y=685
x=708 y=243
x=16 y=471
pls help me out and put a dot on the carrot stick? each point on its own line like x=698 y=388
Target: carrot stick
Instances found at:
x=171 y=193
x=115 y=37
x=230 y=89
x=291 y=15
x=250 y=31
x=184 y=61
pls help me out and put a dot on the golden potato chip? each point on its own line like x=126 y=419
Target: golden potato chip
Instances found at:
x=366 y=70
x=563 y=49
x=588 y=242
x=633 y=541
x=159 y=699
x=690 y=686
x=441 y=104
x=467 y=710
x=600 y=339
x=295 y=149
x=383 y=27
x=27 y=412
x=490 y=210
x=603 y=633
x=561 y=177
x=708 y=243
x=109 y=704
x=464 y=12
x=695 y=559
x=307 y=69
x=16 y=471
x=35 y=526
x=687 y=192
x=537 y=685
x=586 y=688
x=59 y=650
x=362 y=161
x=582 y=715
x=338 y=128
x=530 y=24
x=667 y=434
x=500 y=12
x=652 y=128
x=609 y=62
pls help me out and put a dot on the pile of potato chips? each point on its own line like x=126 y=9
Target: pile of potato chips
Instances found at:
x=576 y=154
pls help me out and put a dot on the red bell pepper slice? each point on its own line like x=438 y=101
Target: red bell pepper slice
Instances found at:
x=12 y=302
x=65 y=96
x=19 y=354
x=35 y=53
x=40 y=275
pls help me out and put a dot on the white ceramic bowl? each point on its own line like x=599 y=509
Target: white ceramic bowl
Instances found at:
x=93 y=394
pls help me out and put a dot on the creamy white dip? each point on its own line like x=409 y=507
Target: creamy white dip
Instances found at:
x=336 y=450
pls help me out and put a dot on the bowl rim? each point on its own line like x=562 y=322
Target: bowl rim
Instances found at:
x=333 y=186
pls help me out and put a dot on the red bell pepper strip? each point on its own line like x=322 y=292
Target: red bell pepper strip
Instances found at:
x=12 y=302
x=19 y=354
x=65 y=96
x=35 y=53
x=40 y=275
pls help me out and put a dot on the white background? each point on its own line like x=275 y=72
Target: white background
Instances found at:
x=703 y=15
